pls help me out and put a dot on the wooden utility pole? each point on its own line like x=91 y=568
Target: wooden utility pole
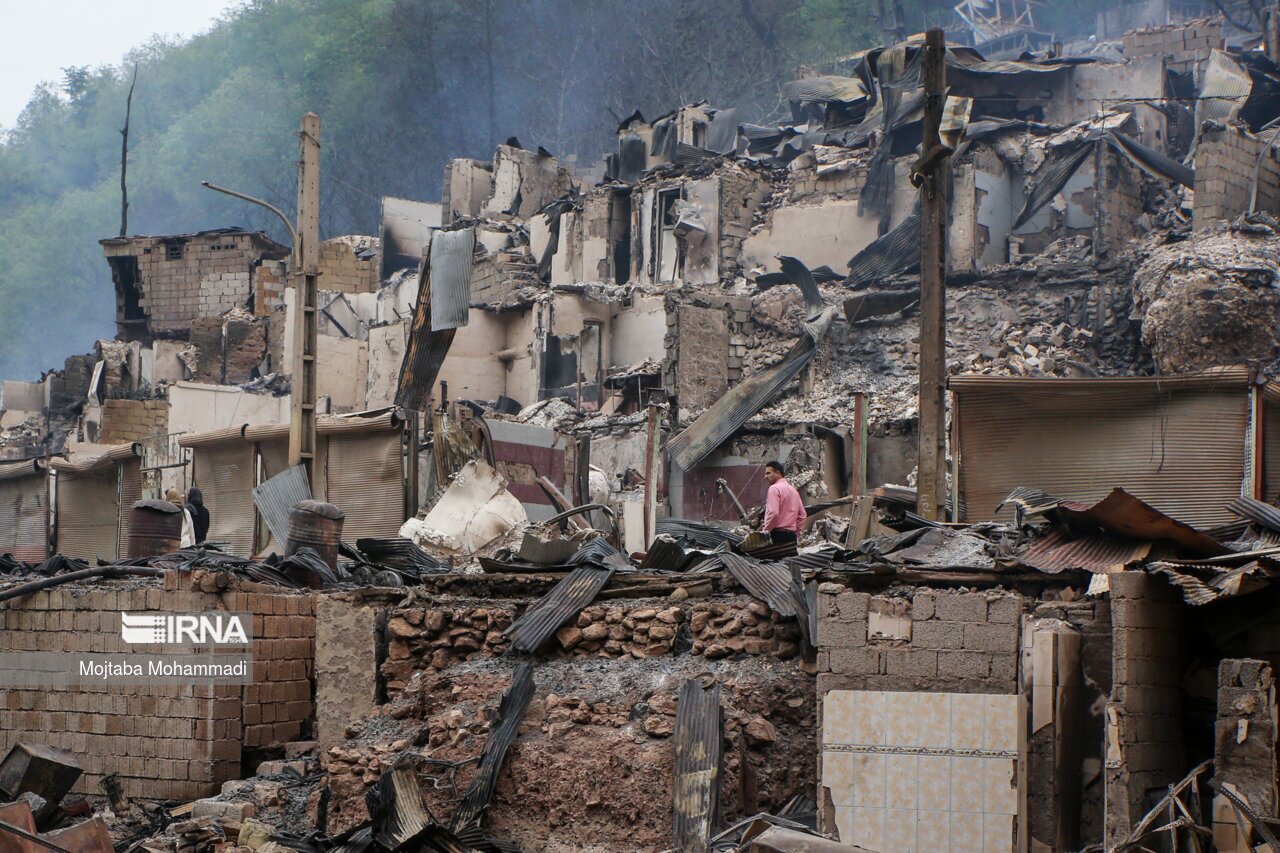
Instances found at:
x=930 y=175
x=302 y=415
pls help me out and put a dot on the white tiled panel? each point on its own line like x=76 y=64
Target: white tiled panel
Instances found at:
x=926 y=772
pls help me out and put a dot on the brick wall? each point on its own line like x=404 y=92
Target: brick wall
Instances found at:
x=949 y=642
x=1183 y=44
x=185 y=277
x=1144 y=718
x=132 y=420
x=165 y=742
x=342 y=271
x=1122 y=204
x=702 y=338
x=1225 y=163
x=270 y=279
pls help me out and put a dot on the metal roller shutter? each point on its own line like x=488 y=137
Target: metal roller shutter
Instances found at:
x=224 y=471
x=24 y=507
x=1179 y=447
x=130 y=494
x=89 y=514
x=365 y=477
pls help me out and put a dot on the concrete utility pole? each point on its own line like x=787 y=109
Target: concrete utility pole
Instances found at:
x=929 y=173
x=302 y=415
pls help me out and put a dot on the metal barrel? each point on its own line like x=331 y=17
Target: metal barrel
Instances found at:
x=155 y=528
x=316 y=525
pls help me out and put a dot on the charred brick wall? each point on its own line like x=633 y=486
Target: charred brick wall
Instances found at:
x=1225 y=162
x=1144 y=720
x=164 y=742
x=182 y=278
x=132 y=420
x=741 y=194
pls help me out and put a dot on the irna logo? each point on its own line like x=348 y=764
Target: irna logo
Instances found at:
x=186 y=629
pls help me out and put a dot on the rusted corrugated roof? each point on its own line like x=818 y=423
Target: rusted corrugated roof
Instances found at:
x=115 y=454
x=565 y=601
x=1202 y=584
x=1059 y=551
x=699 y=748
x=501 y=735
x=1123 y=514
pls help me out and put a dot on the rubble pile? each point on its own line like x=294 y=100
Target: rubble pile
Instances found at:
x=1212 y=300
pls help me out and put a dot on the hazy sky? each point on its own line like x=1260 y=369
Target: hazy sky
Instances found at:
x=41 y=37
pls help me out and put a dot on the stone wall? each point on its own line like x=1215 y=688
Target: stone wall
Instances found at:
x=438 y=637
x=113 y=729
x=124 y=421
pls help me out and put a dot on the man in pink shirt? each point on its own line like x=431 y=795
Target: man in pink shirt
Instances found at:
x=784 y=513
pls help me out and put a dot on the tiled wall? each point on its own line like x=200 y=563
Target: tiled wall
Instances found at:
x=925 y=771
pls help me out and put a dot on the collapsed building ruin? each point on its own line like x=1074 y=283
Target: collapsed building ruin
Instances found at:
x=545 y=623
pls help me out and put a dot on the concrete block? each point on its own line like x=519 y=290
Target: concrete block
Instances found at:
x=919 y=663
x=933 y=634
x=964 y=664
x=850 y=661
x=982 y=637
x=961 y=607
x=923 y=605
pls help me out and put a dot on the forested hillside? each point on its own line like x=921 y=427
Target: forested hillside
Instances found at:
x=401 y=86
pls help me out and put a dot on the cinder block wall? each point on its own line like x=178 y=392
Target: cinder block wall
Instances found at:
x=133 y=420
x=951 y=642
x=342 y=271
x=1225 y=163
x=1144 y=718
x=179 y=742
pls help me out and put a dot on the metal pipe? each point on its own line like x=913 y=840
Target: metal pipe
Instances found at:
x=293 y=234
x=83 y=574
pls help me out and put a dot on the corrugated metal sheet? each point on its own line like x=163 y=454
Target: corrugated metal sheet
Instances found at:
x=727 y=415
x=702 y=535
x=1202 y=584
x=1152 y=161
x=130 y=493
x=1257 y=511
x=1051 y=179
x=1122 y=514
x=843 y=89
x=225 y=472
x=1059 y=551
x=501 y=735
x=896 y=252
x=88 y=513
x=1224 y=88
x=699 y=747
x=769 y=582
x=557 y=607
x=429 y=343
x=365 y=476
x=1179 y=446
x=451 y=258
x=97 y=463
x=279 y=494
x=24 y=510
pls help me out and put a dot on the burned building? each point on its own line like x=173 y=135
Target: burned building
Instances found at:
x=533 y=611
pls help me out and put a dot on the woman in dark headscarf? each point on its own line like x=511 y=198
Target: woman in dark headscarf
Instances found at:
x=199 y=514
